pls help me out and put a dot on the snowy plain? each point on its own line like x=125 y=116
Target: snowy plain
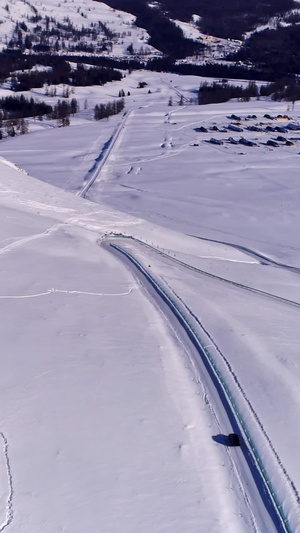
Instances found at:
x=108 y=422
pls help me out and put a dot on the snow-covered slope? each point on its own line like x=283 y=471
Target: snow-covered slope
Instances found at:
x=111 y=420
x=86 y=443
x=94 y=27
x=47 y=13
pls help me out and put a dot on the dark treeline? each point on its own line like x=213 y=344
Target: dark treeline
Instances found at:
x=211 y=70
x=59 y=72
x=14 y=107
x=11 y=60
x=211 y=93
x=14 y=110
x=219 y=17
x=233 y=19
x=93 y=76
x=20 y=107
x=277 y=49
x=283 y=89
x=62 y=111
x=107 y=110
x=215 y=93
x=108 y=62
x=164 y=34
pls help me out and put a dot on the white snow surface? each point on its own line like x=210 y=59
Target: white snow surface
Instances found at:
x=101 y=414
x=109 y=422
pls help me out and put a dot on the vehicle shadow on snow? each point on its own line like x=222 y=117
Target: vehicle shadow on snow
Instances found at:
x=221 y=439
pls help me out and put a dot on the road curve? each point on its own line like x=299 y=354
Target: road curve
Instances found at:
x=274 y=515
x=242 y=286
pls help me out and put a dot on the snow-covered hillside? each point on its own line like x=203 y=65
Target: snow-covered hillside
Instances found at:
x=86 y=443
x=112 y=417
x=70 y=27
x=48 y=14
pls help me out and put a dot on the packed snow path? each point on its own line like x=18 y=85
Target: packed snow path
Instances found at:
x=101 y=160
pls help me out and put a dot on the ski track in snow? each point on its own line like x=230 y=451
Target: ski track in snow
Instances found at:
x=79 y=221
x=48 y=231
x=25 y=240
x=9 y=500
x=52 y=291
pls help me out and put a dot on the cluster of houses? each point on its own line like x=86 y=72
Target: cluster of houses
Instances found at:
x=279 y=124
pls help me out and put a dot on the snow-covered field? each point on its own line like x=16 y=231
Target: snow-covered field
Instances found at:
x=110 y=420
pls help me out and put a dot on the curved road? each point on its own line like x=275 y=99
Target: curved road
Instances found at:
x=250 y=474
x=266 y=516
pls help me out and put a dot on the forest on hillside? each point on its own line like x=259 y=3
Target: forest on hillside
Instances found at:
x=164 y=34
x=277 y=49
x=220 y=17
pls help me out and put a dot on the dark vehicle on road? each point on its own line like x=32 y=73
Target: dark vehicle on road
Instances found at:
x=234 y=439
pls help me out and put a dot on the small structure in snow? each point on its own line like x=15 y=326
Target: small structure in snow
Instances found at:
x=215 y=141
x=232 y=127
x=270 y=142
x=281 y=129
x=282 y=117
x=254 y=128
x=246 y=142
x=201 y=129
x=235 y=117
x=292 y=126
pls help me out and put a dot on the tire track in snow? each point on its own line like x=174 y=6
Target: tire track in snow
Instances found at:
x=219 y=278
x=9 y=500
x=263 y=259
